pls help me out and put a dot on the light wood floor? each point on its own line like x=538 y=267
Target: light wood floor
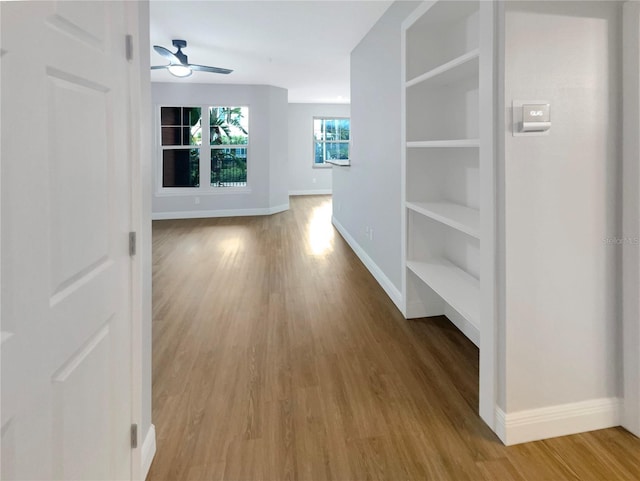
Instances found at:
x=276 y=356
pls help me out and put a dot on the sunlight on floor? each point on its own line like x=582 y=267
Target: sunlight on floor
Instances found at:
x=231 y=246
x=320 y=230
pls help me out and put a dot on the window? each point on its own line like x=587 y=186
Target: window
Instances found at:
x=184 y=131
x=330 y=141
x=229 y=136
x=181 y=142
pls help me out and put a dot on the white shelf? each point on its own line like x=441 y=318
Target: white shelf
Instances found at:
x=443 y=143
x=460 y=290
x=459 y=217
x=461 y=67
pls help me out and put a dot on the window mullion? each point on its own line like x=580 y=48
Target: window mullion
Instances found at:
x=205 y=152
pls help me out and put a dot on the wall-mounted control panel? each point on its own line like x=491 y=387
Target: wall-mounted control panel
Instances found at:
x=531 y=117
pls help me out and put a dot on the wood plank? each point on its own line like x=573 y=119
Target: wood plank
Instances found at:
x=279 y=357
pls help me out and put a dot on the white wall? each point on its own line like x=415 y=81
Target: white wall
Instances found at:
x=303 y=177
x=278 y=154
x=367 y=194
x=561 y=201
x=266 y=163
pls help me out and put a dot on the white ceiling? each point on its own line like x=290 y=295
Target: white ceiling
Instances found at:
x=301 y=45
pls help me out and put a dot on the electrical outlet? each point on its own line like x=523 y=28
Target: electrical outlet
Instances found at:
x=196 y=200
x=313 y=181
x=370 y=233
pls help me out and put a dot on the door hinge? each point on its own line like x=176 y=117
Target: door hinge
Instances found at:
x=132 y=243
x=129 y=47
x=134 y=436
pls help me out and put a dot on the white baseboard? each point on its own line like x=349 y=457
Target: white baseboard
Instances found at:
x=392 y=291
x=565 y=419
x=202 y=214
x=148 y=451
x=310 y=192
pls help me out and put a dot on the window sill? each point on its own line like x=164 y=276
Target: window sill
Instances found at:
x=339 y=163
x=322 y=166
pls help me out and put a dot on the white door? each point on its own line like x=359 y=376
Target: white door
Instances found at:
x=65 y=303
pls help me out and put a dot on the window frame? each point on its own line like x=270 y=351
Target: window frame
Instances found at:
x=161 y=148
x=205 y=188
x=324 y=164
x=243 y=188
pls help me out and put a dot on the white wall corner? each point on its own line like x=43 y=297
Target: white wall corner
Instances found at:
x=148 y=451
x=392 y=291
x=562 y=420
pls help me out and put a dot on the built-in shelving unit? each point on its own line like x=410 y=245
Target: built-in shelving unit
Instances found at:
x=447 y=161
x=442 y=57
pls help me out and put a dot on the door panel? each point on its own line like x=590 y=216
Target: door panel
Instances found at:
x=66 y=204
x=82 y=20
x=78 y=414
x=78 y=149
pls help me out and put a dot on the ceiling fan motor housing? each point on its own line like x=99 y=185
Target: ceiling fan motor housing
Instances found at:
x=179 y=44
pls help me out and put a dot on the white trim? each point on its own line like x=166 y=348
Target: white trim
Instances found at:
x=491 y=102
x=392 y=291
x=202 y=214
x=140 y=151
x=631 y=217
x=311 y=192
x=562 y=420
x=148 y=451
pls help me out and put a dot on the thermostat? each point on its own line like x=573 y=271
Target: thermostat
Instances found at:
x=531 y=117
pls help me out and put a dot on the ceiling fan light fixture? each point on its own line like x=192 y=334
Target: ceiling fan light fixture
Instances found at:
x=179 y=70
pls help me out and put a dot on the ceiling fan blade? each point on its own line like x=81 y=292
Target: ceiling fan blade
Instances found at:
x=158 y=67
x=166 y=54
x=204 y=68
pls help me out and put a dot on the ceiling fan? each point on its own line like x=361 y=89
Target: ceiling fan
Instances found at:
x=179 y=64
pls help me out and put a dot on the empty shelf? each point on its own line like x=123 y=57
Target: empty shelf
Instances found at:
x=459 y=289
x=459 y=217
x=461 y=67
